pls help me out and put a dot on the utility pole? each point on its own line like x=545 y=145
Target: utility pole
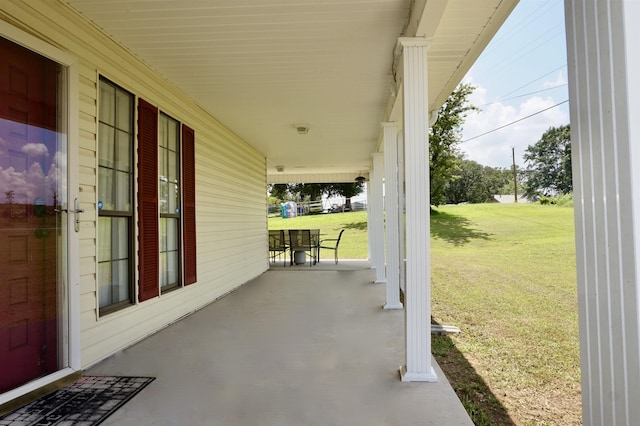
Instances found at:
x=515 y=180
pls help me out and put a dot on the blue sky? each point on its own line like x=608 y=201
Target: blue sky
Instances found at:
x=522 y=71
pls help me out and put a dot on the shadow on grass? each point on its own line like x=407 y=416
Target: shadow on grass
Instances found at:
x=481 y=404
x=456 y=230
x=360 y=226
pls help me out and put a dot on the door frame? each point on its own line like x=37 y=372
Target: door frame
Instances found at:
x=69 y=338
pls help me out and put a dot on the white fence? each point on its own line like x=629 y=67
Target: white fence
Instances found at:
x=332 y=205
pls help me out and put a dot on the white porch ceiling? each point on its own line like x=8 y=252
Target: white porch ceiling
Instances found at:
x=262 y=67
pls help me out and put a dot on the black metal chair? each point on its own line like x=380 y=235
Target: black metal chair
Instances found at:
x=277 y=244
x=302 y=240
x=333 y=247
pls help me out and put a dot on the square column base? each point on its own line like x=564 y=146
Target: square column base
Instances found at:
x=406 y=376
x=393 y=306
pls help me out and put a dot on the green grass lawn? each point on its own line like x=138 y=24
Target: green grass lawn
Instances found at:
x=505 y=275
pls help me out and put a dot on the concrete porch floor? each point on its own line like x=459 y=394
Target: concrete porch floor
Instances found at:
x=295 y=346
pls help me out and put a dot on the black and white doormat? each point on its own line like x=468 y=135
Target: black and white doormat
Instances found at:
x=87 y=402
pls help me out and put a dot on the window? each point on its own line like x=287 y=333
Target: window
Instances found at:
x=115 y=204
x=169 y=201
x=166 y=202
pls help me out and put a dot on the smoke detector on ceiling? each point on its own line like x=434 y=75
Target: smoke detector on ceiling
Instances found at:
x=302 y=129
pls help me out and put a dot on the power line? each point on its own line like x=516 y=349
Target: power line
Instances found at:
x=527 y=49
x=514 y=122
x=533 y=81
x=526 y=21
x=522 y=96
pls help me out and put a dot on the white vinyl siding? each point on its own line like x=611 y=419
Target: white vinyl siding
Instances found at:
x=230 y=183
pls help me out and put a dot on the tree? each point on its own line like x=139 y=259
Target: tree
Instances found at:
x=548 y=162
x=475 y=183
x=444 y=156
x=307 y=191
x=314 y=191
x=279 y=191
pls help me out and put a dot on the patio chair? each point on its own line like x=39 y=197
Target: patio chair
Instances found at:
x=301 y=240
x=333 y=247
x=277 y=244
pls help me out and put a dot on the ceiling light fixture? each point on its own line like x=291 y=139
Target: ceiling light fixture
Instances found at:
x=361 y=179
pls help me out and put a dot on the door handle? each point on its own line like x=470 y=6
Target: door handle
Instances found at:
x=76 y=214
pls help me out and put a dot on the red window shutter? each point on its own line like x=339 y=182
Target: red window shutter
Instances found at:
x=189 y=204
x=148 y=200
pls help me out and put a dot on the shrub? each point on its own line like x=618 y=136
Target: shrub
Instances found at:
x=564 y=200
x=547 y=200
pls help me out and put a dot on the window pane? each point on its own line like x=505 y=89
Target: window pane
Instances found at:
x=172 y=166
x=172 y=267
x=120 y=282
x=123 y=188
x=162 y=163
x=104 y=280
x=123 y=152
x=121 y=238
x=162 y=234
x=163 y=269
x=104 y=239
x=163 y=197
x=173 y=199
x=107 y=103
x=106 y=142
x=124 y=111
x=162 y=130
x=172 y=234
x=172 y=135
x=105 y=188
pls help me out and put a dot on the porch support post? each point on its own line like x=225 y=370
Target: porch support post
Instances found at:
x=369 y=224
x=604 y=64
x=401 y=210
x=376 y=210
x=418 y=285
x=390 y=139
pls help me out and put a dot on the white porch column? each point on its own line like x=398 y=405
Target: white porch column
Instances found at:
x=369 y=222
x=376 y=220
x=401 y=204
x=604 y=65
x=390 y=138
x=418 y=281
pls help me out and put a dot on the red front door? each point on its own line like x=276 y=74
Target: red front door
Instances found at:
x=29 y=234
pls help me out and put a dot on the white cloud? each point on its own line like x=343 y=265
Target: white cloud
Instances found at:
x=494 y=148
x=38 y=149
x=32 y=183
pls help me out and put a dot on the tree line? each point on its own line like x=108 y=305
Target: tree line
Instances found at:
x=454 y=179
